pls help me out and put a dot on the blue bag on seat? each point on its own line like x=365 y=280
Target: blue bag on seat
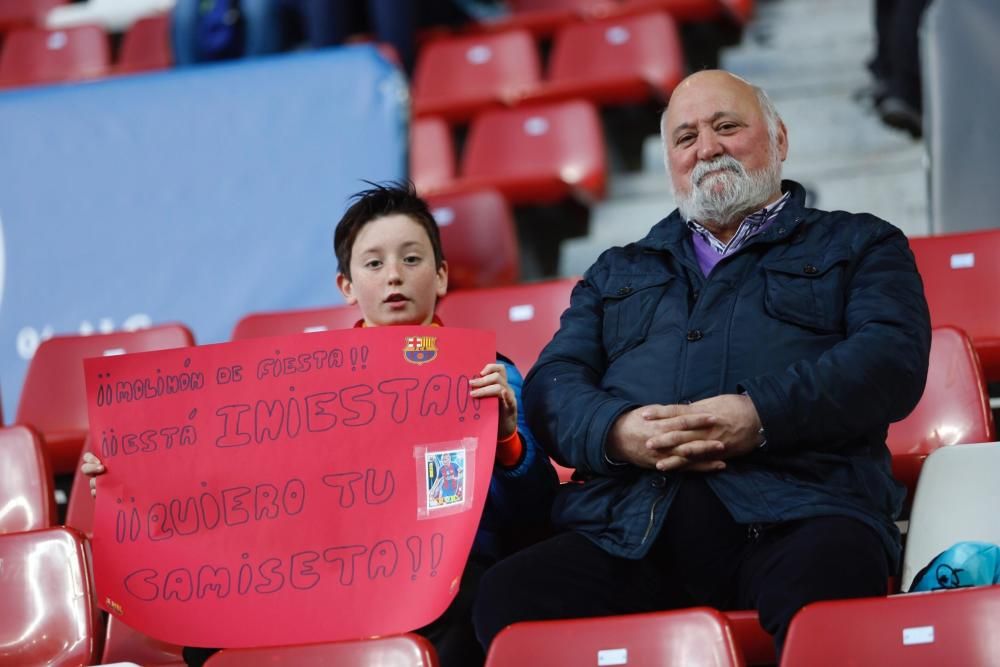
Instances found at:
x=962 y=565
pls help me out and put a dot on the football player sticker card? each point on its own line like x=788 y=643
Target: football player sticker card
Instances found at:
x=445 y=478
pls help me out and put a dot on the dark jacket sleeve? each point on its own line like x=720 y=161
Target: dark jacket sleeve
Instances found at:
x=876 y=374
x=569 y=412
x=523 y=493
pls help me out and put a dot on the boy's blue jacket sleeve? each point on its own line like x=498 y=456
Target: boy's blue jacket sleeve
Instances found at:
x=520 y=497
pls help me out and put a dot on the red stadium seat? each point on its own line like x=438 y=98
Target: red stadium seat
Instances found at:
x=954 y=409
x=537 y=154
x=755 y=643
x=25 y=13
x=285 y=322
x=432 y=155
x=524 y=317
x=80 y=508
x=916 y=630
x=123 y=644
x=479 y=239
x=49 y=613
x=407 y=650
x=617 y=61
x=54 y=397
x=681 y=10
x=961 y=275
x=699 y=636
x=146 y=46
x=26 y=494
x=457 y=77
x=35 y=56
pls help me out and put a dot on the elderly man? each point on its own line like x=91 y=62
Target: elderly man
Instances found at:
x=723 y=388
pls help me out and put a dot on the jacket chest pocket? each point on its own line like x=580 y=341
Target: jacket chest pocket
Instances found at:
x=629 y=305
x=808 y=294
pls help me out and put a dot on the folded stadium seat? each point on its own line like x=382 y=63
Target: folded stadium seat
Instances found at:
x=524 y=317
x=616 y=61
x=456 y=77
x=26 y=494
x=25 y=13
x=146 y=46
x=49 y=613
x=124 y=644
x=479 y=239
x=918 y=630
x=957 y=500
x=80 y=508
x=961 y=275
x=432 y=155
x=285 y=322
x=543 y=17
x=537 y=154
x=33 y=56
x=954 y=409
x=54 y=397
x=698 y=636
x=682 y=10
x=407 y=650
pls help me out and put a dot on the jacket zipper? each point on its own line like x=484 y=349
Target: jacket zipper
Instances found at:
x=652 y=516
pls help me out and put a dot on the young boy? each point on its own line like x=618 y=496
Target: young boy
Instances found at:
x=391 y=265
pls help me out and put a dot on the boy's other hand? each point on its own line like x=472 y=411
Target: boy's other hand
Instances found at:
x=492 y=381
x=92 y=467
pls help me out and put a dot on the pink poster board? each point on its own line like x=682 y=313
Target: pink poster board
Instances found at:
x=289 y=490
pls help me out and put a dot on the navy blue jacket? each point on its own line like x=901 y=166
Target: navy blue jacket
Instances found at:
x=820 y=319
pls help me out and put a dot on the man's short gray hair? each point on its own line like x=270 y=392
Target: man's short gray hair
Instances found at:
x=771 y=116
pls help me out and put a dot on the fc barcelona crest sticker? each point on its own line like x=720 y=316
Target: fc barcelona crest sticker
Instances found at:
x=420 y=349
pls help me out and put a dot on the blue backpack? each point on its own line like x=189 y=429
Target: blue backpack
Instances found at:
x=962 y=565
x=219 y=30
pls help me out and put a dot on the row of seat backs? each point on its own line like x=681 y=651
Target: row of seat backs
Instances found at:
x=32 y=55
x=613 y=61
x=920 y=630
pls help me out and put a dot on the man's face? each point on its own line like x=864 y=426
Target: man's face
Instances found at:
x=393 y=277
x=719 y=153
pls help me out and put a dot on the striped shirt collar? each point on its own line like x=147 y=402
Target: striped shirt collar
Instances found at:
x=752 y=225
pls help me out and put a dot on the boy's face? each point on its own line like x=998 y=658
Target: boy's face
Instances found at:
x=393 y=277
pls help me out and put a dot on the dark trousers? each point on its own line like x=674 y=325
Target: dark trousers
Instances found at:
x=702 y=557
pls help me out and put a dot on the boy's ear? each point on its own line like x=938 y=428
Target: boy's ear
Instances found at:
x=347 y=289
x=442 y=279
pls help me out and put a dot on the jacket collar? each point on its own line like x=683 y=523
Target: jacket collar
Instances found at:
x=672 y=234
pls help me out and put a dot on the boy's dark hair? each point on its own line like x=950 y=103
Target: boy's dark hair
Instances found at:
x=382 y=199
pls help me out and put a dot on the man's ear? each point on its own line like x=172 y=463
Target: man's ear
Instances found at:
x=782 y=140
x=346 y=288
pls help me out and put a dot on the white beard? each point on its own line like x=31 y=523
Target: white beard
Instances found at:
x=742 y=193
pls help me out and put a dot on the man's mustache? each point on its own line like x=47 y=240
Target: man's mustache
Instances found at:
x=722 y=163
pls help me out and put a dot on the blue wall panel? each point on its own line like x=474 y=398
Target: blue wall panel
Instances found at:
x=195 y=195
